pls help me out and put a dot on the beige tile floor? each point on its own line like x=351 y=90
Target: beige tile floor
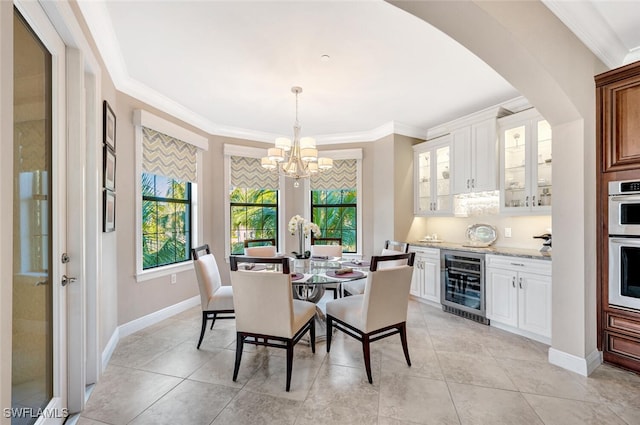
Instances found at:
x=462 y=373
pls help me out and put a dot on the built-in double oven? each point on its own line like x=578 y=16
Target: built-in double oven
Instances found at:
x=624 y=243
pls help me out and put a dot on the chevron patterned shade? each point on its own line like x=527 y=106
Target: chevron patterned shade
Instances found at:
x=248 y=173
x=343 y=175
x=167 y=156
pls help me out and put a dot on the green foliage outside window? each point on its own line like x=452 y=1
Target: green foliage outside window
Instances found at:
x=254 y=215
x=166 y=221
x=335 y=212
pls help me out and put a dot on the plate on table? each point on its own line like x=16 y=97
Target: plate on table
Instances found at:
x=253 y=267
x=357 y=264
x=296 y=276
x=351 y=275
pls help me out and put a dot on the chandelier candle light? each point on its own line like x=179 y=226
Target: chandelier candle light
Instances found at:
x=297 y=160
x=303 y=228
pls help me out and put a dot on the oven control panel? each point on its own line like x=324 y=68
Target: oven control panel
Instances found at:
x=624 y=187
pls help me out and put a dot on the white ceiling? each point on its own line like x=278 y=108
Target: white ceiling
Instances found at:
x=227 y=67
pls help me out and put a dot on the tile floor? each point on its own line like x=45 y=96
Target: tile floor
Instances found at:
x=462 y=373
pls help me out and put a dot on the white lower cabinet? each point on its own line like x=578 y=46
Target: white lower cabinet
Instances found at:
x=518 y=295
x=425 y=282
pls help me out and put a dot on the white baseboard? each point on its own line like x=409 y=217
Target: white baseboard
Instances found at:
x=143 y=322
x=157 y=316
x=579 y=365
x=518 y=331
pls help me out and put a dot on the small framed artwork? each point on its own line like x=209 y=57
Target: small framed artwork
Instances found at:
x=109 y=168
x=108 y=126
x=109 y=211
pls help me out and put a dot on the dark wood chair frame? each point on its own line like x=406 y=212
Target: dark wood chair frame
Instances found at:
x=367 y=338
x=270 y=340
x=209 y=314
x=262 y=242
x=403 y=245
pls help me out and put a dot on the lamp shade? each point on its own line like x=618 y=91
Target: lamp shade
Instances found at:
x=307 y=142
x=275 y=154
x=312 y=167
x=283 y=143
x=267 y=163
x=325 y=163
x=309 y=154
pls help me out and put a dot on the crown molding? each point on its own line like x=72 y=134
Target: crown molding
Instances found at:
x=587 y=24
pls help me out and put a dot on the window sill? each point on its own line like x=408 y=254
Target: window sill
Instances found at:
x=158 y=272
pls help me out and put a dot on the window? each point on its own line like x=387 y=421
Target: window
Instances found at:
x=168 y=188
x=334 y=199
x=253 y=200
x=166 y=220
x=335 y=212
x=254 y=215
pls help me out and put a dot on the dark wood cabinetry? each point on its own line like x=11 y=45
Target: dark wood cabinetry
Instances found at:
x=618 y=158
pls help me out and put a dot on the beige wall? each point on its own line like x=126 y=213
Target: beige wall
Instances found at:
x=539 y=56
x=6 y=192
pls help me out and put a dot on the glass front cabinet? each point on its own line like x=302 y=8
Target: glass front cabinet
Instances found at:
x=432 y=183
x=525 y=161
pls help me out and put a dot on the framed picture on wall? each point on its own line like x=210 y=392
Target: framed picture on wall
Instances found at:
x=109 y=211
x=109 y=168
x=108 y=126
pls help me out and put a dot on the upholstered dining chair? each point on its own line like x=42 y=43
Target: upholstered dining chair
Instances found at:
x=266 y=313
x=215 y=298
x=333 y=248
x=260 y=247
x=390 y=248
x=378 y=313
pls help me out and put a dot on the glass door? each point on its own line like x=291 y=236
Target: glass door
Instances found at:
x=443 y=183
x=543 y=164
x=515 y=159
x=425 y=201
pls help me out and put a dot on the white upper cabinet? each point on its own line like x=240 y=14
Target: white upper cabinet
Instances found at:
x=474 y=157
x=525 y=160
x=432 y=185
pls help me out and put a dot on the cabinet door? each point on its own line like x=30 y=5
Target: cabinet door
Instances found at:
x=502 y=296
x=514 y=170
x=441 y=180
x=431 y=286
x=417 y=278
x=461 y=160
x=541 y=169
x=423 y=203
x=483 y=156
x=534 y=303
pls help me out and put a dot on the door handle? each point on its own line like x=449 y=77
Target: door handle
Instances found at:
x=467 y=183
x=513 y=281
x=473 y=183
x=527 y=201
x=520 y=283
x=67 y=280
x=42 y=282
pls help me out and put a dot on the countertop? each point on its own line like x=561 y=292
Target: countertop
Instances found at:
x=496 y=250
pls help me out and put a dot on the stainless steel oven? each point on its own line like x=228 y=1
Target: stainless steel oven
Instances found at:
x=624 y=208
x=462 y=282
x=624 y=243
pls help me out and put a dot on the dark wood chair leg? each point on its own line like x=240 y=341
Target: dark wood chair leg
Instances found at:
x=312 y=334
x=403 y=339
x=239 y=346
x=329 y=329
x=203 y=328
x=289 y=362
x=213 y=320
x=367 y=356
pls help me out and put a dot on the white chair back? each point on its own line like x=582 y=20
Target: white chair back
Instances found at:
x=261 y=251
x=393 y=263
x=263 y=303
x=386 y=297
x=326 y=250
x=208 y=277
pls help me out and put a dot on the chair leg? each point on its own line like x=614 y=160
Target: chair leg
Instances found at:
x=329 y=332
x=213 y=320
x=335 y=293
x=403 y=339
x=203 y=328
x=289 y=362
x=312 y=334
x=239 y=346
x=367 y=356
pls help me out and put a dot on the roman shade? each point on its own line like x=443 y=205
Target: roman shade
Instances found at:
x=246 y=172
x=343 y=175
x=167 y=156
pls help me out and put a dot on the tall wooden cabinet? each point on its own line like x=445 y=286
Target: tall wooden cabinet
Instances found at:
x=618 y=158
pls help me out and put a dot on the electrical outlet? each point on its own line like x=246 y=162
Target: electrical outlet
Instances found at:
x=173 y=278
x=507 y=232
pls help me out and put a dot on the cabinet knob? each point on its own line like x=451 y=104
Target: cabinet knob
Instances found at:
x=513 y=281
x=526 y=201
x=473 y=183
x=467 y=183
x=520 y=283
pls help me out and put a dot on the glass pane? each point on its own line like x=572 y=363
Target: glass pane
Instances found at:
x=443 y=184
x=237 y=196
x=32 y=360
x=424 y=181
x=148 y=184
x=630 y=273
x=514 y=167
x=544 y=164
x=349 y=218
x=180 y=190
x=163 y=187
x=149 y=250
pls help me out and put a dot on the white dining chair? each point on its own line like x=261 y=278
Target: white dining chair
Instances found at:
x=261 y=251
x=266 y=313
x=331 y=252
x=215 y=298
x=378 y=313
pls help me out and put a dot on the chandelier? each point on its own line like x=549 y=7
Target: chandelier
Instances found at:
x=298 y=159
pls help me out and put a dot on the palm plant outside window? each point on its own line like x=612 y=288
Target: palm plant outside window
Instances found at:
x=254 y=215
x=335 y=212
x=166 y=220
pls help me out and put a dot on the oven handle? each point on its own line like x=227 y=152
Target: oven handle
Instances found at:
x=634 y=241
x=617 y=198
